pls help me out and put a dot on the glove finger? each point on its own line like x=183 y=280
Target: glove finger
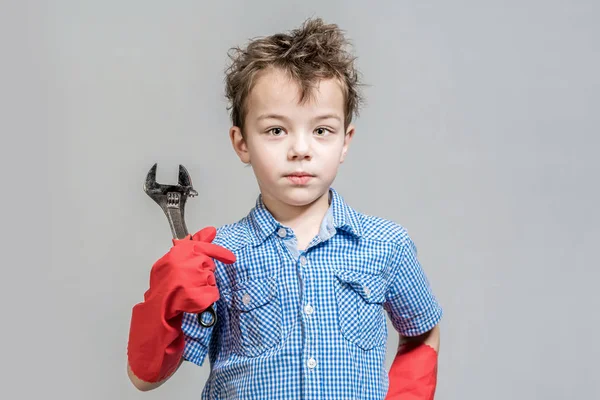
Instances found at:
x=186 y=239
x=204 y=277
x=194 y=300
x=215 y=251
x=206 y=234
x=182 y=251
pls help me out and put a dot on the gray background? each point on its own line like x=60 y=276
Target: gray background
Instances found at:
x=480 y=136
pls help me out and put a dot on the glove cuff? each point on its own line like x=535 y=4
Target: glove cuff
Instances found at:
x=413 y=374
x=155 y=344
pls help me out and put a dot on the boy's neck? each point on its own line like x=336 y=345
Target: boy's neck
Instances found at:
x=306 y=218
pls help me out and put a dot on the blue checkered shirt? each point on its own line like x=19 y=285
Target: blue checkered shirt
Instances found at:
x=310 y=324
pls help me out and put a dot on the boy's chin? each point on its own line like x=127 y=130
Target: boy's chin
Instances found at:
x=300 y=196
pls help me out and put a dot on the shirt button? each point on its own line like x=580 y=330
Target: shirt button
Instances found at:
x=302 y=260
x=367 y=290
x=311 y=363
x=246 y=299
x=308 y=309
x=282 y=232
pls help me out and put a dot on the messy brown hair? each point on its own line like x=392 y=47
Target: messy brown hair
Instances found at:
x=308 y=54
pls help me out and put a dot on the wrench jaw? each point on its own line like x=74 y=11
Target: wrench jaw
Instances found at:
x=185 y=180
x=171 y=198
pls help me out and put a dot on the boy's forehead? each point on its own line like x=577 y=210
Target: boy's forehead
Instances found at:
x=274 y=91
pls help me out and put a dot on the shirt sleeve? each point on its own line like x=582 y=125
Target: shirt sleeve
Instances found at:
x=197 y=338
x=410 y=303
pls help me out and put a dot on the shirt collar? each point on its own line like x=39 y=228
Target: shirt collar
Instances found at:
x=339 y=216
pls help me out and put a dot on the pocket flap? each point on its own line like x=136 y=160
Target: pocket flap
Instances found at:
x=248 y=295
x=369 y=286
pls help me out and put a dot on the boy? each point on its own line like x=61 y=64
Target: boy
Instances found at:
x=300 y=284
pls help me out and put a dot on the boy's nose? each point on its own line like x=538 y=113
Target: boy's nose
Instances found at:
x=300 y=148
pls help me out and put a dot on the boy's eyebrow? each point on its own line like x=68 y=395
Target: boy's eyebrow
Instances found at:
x=328 y=116
x=284 y=118
x=272 y=116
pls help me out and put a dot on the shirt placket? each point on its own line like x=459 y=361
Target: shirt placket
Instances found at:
x=311 y=357
x=305 y=271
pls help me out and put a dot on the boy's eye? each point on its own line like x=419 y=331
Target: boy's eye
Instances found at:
x=275 y=131
x=322 y=131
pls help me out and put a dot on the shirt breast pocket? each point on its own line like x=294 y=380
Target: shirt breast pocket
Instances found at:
x=360 y=298
x=255 y=316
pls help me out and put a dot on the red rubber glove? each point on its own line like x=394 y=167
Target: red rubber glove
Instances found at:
x=413 y=374
x=180 y=281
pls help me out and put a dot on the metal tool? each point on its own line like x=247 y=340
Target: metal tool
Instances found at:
x=172 y=199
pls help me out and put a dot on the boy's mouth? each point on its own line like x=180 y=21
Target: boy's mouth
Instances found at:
x=299 y=178
x=299 y=174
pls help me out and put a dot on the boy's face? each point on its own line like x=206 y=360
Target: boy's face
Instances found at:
x=295 y=150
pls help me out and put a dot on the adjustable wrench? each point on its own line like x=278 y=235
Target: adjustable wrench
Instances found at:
x=171 y=199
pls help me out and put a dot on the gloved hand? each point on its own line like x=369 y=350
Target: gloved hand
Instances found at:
x=180 y=281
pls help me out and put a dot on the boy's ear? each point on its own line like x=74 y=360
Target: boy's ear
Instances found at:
x=239 y=144
x=347 y=139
